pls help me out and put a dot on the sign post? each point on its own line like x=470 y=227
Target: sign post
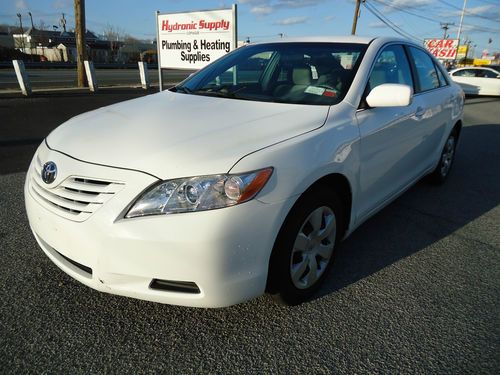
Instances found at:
x=22 y=77
x=192 y=40
x=158 y=57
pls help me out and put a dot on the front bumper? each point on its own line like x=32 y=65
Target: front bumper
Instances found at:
x=224 y=252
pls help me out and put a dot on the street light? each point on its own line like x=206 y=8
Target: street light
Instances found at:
x=31 y=36
x=22 y=31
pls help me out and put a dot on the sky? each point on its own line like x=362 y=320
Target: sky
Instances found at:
x=261 y=20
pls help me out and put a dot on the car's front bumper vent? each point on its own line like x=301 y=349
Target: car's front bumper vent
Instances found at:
x=76 y=264
x=175 y=286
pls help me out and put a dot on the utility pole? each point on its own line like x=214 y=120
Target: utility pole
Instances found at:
x=80 y=41
x=356 y=16
x=445 y=26
x=461 y=22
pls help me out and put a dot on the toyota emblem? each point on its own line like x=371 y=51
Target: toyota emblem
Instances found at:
x=49 y=172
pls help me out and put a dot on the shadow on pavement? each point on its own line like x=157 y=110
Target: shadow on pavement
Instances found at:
x=426 y=213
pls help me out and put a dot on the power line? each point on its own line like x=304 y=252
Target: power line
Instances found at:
x=476 y=27
x=392 y=24
x=407 y=11
x=467 y=12
x=373 y=10
x=488 y=2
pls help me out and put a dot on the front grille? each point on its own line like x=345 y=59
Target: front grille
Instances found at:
x=75 y=198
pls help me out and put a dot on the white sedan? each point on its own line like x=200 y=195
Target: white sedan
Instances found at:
x=477 y=80
x=245 y=177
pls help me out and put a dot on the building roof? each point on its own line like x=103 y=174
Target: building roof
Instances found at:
x=56 y=35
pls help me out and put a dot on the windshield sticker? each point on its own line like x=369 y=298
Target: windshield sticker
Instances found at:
x=315 y=90
x=330 y=93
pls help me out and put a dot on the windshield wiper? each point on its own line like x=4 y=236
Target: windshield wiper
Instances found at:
x=184 y=89
x=222 y=91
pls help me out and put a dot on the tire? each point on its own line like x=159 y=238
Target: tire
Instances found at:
x=442 y=170
x=304 y=249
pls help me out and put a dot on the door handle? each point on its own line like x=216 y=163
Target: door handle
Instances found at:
x=419 y=112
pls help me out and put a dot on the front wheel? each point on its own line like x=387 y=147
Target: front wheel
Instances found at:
x=305 y=247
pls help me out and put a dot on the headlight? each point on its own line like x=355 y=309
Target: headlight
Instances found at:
x=199 y=193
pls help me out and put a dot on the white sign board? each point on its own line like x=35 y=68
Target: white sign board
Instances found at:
x=443 y=49
x=193 y=40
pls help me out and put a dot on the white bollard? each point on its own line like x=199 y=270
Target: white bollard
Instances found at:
x=90 y=71
x=22 y=77
x=143 y=70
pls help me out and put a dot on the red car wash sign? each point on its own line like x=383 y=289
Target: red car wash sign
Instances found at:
x=443 y=49
x=192 y=40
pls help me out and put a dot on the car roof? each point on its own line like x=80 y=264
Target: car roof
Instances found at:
x=334 y=39
x=472 y=67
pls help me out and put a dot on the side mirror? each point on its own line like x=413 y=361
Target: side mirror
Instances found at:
x=390 y=95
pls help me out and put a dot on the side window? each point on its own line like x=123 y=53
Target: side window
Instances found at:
x=426 y=72
x=391 y=66
x=486 y=73
x=465 y=73
x=442 y=79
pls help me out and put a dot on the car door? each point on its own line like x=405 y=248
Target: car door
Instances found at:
x=390 y=136
x=487 y=82
x=466 y=79
x=434 y=100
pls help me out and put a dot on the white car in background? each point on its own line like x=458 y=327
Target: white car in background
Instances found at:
x=477 y=80
x=245 y=177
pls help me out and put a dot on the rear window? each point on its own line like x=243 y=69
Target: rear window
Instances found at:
x=443 y=81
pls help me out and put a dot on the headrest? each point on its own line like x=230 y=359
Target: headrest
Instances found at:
x=302 y=75
x=327 y=63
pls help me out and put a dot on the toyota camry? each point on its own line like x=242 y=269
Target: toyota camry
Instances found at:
x=244 y=178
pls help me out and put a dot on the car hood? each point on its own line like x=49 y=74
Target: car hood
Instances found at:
x=172 y=135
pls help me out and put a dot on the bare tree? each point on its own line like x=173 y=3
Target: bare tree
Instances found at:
x=113 y=35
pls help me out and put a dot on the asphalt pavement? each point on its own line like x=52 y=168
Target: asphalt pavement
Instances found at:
x=415 y=290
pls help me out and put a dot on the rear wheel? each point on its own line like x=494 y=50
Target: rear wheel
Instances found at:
x=305 y=247
x=443 y=168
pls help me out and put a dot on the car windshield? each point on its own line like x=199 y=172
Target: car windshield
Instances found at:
x=299 y=73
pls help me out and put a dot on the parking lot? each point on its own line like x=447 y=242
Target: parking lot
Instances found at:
x=416 y=289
